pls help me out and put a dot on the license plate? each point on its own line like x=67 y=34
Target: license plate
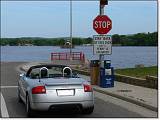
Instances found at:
x=65 y=92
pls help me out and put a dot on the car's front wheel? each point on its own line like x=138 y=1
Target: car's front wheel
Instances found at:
x=88 y=110
x=28 y=108
x=19 y=97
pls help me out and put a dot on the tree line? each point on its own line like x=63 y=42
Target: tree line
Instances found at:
x=139 y=39
x=43 y=41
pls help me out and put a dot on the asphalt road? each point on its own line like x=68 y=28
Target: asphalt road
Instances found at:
x=105 y=106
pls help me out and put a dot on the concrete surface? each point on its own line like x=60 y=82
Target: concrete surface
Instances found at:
x=105 y=105
x=142 y=96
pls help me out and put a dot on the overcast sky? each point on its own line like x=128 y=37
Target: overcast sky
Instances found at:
x=51 y=18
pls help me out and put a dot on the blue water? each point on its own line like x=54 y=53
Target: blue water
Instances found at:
x=122 y=57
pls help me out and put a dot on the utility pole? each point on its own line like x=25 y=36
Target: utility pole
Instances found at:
x=70 y=29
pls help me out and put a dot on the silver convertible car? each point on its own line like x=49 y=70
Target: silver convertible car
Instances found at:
x=45 y=87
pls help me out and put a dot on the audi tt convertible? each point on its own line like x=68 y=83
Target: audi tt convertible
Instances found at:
x=46 y=87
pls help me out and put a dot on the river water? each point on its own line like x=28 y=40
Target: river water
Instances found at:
x=122 y=57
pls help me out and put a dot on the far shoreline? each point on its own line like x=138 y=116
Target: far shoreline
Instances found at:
x=73 y=48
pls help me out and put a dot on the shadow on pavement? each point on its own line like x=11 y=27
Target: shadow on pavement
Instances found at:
x=58 y=113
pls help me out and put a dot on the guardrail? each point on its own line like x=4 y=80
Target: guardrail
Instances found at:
x=67 y=56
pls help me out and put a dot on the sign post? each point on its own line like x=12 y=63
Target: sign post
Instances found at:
x=101 y=12
x=102 y=24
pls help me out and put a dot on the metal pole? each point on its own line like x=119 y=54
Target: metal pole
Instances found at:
x=101 y=12
x=71 y=29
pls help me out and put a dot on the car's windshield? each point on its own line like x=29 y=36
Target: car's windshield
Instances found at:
x=51 y=72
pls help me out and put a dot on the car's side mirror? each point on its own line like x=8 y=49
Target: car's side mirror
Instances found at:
x=22 y=74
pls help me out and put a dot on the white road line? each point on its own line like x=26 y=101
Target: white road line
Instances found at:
x=4 y=110
x=8 y=86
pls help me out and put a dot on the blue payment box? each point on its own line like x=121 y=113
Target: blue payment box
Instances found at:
x=106 y=74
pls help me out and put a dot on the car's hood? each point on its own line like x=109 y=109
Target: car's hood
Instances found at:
x=59 y=81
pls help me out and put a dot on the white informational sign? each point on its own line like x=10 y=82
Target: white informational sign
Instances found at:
x=108 y=72
x=102 y=44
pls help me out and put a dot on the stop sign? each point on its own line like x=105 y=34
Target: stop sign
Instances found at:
x=102 y=24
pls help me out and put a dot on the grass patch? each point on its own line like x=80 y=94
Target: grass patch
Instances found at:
x=139 y=72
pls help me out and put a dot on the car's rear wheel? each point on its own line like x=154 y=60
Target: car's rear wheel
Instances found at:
x=28 y=108
x=88 y=110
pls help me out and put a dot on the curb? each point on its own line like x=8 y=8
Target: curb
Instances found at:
x=127 y=99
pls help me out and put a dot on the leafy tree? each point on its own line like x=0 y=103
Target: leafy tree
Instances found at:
x=115 y=39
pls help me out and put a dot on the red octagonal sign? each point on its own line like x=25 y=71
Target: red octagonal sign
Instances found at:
x=102 y=24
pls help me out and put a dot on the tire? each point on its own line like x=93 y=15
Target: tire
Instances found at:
x=88 y=110
x=28 y=108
